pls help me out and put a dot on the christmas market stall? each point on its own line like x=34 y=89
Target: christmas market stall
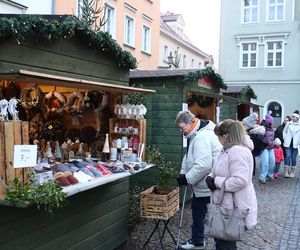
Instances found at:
x=240 y=107
x=69 y=138
x=176 y=90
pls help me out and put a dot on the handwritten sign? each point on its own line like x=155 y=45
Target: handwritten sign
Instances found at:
x=25 y=156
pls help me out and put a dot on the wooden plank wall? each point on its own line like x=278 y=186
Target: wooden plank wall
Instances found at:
x=162 y=132
x=94 y=219
x=63 y=58
x=229 y=109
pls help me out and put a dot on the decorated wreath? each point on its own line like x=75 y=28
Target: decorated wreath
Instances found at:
x=75 y=103
x=95 y=100
x=32 y=98
x=55 y=102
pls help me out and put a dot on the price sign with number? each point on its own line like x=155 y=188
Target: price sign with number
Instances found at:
x=25 y=156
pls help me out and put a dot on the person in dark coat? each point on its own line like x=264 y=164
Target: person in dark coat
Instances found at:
x=279 y=130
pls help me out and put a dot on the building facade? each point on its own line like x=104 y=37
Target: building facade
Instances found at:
x=176 y=50
x=133 y=24
x=259 y=46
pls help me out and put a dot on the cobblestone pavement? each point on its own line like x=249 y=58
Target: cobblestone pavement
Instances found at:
x=277 y=228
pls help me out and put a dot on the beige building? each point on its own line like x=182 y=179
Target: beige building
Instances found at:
x=176 y=47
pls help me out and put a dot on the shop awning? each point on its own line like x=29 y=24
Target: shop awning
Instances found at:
x=55 y=80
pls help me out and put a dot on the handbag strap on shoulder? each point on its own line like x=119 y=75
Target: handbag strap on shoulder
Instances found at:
x=222 y=191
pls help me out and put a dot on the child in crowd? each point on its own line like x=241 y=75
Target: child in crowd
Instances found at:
x=278 y=156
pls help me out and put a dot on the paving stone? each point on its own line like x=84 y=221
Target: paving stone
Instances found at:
x=277 y=228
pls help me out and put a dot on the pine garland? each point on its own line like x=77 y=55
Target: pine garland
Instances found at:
x=248 y=90
x=41 y=30
x=215 y=78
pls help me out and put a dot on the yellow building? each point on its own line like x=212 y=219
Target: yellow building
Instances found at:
x=134 y=25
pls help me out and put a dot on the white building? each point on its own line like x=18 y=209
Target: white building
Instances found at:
x=175 y=45
x=259 y=46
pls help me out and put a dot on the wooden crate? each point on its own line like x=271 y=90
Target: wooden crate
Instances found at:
x=11 y=133
x=158 y=206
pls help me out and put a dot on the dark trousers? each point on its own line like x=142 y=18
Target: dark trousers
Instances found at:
x=225 y=245
x=199 y=210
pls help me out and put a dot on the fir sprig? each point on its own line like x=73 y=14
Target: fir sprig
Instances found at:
x=209 y=72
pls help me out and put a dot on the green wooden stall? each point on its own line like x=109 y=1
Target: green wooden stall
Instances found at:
x=62 y=51
x=239 y=106
x=175 y=88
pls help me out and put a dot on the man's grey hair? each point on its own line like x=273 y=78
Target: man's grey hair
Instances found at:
x=185 y=117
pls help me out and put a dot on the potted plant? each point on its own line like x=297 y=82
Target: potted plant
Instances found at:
x=160 y=201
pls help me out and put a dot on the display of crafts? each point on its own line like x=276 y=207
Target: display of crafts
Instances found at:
x=129 y=111
x=9 y=107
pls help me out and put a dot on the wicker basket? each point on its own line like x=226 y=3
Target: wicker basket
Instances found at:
x=159 y=206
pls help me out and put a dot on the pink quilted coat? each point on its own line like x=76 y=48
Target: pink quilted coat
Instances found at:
x=237 y=164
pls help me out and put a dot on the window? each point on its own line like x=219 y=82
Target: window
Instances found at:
x=248 y=55
x=274 y=54
x=249 y=11
x=192 y=63
x=166 y=53
x=110 y=17
x=184 y=62
x=275 y=10
x=129 y=31
x=146 y=39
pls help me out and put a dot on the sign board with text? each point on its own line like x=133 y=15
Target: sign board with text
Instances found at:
x=25 y=156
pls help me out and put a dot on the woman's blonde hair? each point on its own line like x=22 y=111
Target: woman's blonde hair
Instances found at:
x=235 y=131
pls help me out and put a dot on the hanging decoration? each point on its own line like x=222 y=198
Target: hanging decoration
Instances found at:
x=202 y=101
x=208 y=72
x=32 y=97
x=75 y=103
x=41 y=29
x=95 y=100
x=55 y=102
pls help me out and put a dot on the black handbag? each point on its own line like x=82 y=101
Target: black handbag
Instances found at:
x=223 y=223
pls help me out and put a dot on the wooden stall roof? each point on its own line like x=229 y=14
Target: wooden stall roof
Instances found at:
x=240 y=89
x=160 y=73
x=54 y=80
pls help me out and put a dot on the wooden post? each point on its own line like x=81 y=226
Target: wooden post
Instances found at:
x=2 y=153
x=18 y=141
x=9 y=149
x=2 y=161
x=25 y=140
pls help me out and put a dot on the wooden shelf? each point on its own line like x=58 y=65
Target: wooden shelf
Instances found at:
x=140 y=124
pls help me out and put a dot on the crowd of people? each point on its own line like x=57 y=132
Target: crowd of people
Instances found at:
x=225 y=153
x=274 y=147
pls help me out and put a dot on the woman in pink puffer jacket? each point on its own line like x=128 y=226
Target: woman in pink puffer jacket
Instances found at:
x=235 y=162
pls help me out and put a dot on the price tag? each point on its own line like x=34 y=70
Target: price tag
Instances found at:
x=25 y=156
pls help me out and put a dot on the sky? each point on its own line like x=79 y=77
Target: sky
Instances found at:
x=202 y=22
